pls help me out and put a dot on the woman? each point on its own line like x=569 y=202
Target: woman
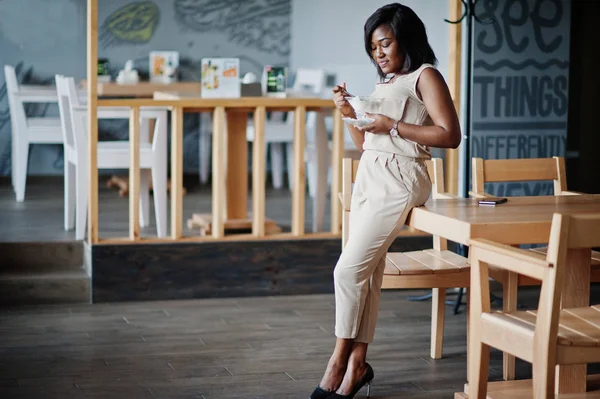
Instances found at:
x=411 y=110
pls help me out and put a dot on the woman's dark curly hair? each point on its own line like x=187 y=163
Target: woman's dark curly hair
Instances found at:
x=409 y=32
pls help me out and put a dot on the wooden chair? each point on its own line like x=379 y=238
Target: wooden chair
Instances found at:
x=511 y=170
x=435 y=268
x=546 y=337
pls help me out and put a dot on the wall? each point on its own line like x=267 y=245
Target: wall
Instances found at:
x=583 y=139
x=520 y=85
x=42 y=38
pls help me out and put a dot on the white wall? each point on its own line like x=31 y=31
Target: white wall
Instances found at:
x=329 y=34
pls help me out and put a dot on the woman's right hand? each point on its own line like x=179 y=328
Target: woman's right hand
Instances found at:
x=340 y=101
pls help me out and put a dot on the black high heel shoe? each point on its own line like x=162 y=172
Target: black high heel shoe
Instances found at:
x=366 y=380
x=320 y=393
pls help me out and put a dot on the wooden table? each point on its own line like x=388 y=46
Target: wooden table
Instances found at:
x=522 y=220
x=142 y=89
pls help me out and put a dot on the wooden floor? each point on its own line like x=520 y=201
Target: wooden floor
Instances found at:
x=44 y=202
x=219 y=348
x=253 y=347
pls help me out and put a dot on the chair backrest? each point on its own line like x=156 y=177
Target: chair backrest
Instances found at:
x=71 y=89
x=64 y=111
x=78 y=115
x=310 y=82
x=10 y=75
x=511 y=170
x=17 y=111
x=435 y=169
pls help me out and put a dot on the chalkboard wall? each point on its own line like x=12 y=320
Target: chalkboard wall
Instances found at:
x=520 y=84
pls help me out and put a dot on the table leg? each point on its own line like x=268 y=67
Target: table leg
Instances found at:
x=237 y=166
x=510 y=291
x=576 y=293
x=230 y=180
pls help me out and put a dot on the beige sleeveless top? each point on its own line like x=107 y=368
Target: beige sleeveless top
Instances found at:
x=399 y=100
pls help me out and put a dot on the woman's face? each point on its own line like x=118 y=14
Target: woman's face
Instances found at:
x=385 y=50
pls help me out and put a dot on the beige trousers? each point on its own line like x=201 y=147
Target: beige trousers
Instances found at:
x=387 y=187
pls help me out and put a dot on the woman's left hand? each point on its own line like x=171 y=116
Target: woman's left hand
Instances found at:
x=381 y=124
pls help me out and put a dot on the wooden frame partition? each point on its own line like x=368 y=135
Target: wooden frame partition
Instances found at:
x=92 y=97
x=134 y=174
x=219 y=190
x=220 y=109
x=176 y=171
x=299 y=189
x=258 y=173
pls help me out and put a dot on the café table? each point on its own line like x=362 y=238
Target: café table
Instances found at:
x=521 y=220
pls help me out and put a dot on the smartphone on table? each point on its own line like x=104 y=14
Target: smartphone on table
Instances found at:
x=492 y=201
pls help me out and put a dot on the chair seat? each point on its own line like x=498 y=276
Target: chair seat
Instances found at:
x=425 y=269
x=428 y=261
x=577 y=326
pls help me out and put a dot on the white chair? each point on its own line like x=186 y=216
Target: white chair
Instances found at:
x=28 y=130
x=111 y=155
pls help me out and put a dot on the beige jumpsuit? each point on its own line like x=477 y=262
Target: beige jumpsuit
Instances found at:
x=391 y=179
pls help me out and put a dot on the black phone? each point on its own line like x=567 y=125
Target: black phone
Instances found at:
x=493 y=201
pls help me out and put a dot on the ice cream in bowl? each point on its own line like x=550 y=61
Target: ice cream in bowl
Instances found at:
x=363 y=104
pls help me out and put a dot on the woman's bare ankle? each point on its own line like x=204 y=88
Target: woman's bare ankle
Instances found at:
x=332 y=379
x=354 y=363
x=337 y=362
